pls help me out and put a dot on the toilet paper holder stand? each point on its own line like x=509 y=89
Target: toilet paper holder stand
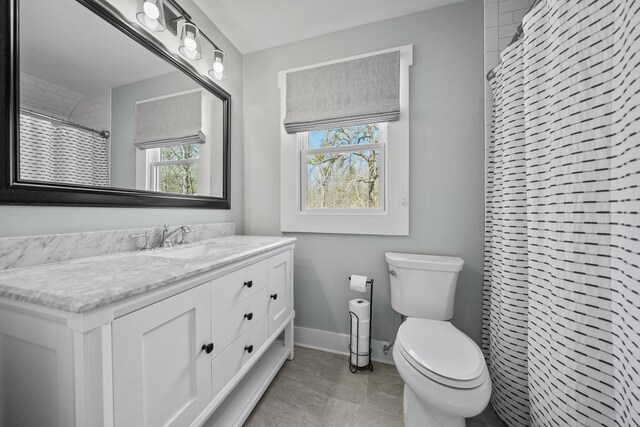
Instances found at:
x=353 y=367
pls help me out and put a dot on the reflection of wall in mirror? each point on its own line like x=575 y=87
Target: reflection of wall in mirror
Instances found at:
x=42 y=96
x=124 y=99
x=94 y=111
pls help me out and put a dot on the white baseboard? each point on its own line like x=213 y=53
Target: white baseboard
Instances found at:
x=334 y=342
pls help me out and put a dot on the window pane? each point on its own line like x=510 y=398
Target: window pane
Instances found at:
x=182 y=179
x=179 y=152
x=343 y=180
x=353 y=135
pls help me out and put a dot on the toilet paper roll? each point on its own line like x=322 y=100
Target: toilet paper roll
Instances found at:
x=364 y=326
x=360 y=341
x=360 y=307
x=360 y=361
x=362 y=344
x=358 y=283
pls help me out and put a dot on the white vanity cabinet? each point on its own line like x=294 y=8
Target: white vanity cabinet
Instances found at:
x=161 y=373
x=200 y=351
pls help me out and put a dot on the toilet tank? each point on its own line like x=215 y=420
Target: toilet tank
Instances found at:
x=423 y=286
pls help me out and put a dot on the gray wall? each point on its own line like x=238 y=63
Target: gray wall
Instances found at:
x=30 y=220
x=446 y=169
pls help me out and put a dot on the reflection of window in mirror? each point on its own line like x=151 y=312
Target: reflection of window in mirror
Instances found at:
x=173 y=141
x=174 y=169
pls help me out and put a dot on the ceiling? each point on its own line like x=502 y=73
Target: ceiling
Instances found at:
x=253 y=25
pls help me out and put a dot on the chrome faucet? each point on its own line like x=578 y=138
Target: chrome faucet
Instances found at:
x=147 y=246
x=167 y=235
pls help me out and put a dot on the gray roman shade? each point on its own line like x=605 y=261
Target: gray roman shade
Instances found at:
x=359 y=91
x=171 y=120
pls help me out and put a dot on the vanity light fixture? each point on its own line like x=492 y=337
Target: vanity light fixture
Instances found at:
x=151 y=14
x=217 y=70
x=189 y=41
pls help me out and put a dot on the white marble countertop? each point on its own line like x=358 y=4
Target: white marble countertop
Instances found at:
x=83 y=284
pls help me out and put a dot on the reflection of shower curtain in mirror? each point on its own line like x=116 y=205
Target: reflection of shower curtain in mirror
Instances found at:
x=58 y=153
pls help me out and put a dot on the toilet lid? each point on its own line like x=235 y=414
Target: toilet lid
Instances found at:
x=438 y=350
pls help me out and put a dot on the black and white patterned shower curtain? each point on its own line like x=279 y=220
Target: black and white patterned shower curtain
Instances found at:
x=505 y=298
x=562 y=265
x=62 y=154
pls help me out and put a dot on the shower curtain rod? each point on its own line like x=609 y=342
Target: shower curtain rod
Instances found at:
x=491 y=74
x=103 y=133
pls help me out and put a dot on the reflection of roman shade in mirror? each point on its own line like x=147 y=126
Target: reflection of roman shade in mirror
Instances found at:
x=348 y=93
x=170 y=120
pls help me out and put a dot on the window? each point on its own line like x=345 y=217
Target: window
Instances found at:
x=174 y=169
x=352 y=179
x=343 y=169
x=180 y=168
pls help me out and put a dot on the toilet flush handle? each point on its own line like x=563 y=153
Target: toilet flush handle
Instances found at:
x=392 y=273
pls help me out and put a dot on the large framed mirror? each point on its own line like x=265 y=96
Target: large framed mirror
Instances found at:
x=96 y=110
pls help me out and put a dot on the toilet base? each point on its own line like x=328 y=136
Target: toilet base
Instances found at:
x=417 y=414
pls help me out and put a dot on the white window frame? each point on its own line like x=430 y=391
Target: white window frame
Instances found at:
x=381 y=147
x=154 y=163
x=147 y=177
x=393 y=218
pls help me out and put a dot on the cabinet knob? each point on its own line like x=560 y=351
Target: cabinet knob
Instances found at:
x=248 y=316
x=208 y=348
x=274 y=296
x=248 y=348
x=248 y=283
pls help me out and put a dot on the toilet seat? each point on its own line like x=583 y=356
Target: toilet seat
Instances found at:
x=442 y=353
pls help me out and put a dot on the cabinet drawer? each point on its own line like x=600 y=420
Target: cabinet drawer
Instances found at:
x=229 y=290
x=235 y=356
x=227 y=326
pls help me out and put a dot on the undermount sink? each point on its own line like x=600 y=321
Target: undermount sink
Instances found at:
x=196 y=251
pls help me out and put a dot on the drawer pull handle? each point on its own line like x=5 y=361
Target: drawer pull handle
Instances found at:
x=248 y=316
x=248 y=283
x=248 y=348
x=274 y=296
x=208 y=348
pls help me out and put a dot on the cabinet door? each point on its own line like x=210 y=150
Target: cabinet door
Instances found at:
x=36 y=372
x=279 y=290
x=161 y=374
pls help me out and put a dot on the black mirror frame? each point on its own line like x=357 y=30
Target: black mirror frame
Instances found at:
x=16 y=192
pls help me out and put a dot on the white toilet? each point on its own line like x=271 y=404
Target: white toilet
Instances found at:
x=445 y=375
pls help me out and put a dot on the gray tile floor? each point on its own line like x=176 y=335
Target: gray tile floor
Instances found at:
x=317 y=389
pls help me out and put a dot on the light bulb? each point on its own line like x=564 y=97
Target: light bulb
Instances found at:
x=151 y=9
x=190 y=53
x=151 y=23
x=190 y=43
x=218 y=67
x=150 y=13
